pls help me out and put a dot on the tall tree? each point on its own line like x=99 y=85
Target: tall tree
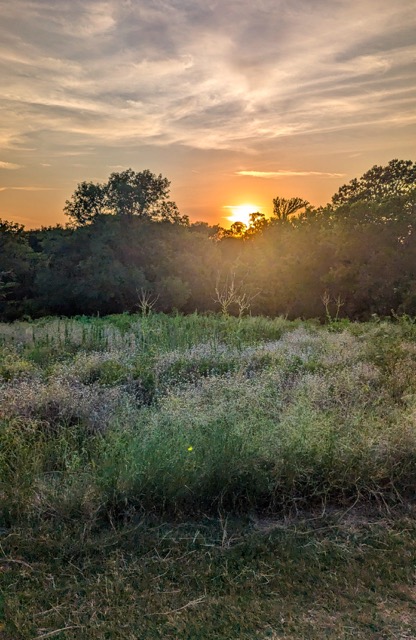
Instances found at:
x=257 y=222
x=127 y=193
x=398 y=178
x=283 y=208
x=136 y=193
x=87 y=202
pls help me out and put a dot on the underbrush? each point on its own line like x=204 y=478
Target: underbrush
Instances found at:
x=311 y=417
x=109 y=426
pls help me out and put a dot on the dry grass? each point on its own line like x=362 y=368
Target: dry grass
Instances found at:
x=312 y=577
x=207 y=478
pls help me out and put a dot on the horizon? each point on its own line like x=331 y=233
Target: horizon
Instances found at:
x=235 y=104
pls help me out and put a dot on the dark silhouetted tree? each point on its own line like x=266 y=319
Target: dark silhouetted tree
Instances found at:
x=17 y=264
x=361 y=252
x=398 y=178
x=257 y=222
x=283 y=208
x=128 y=193
x=87 y=202
x=238 y=229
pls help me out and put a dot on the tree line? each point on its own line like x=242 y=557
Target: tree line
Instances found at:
x=128 y=248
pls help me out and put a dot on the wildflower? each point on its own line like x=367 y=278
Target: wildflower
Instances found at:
x=190 y=448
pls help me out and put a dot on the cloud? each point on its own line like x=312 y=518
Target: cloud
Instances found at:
x=115 y=81
x=34 y=188
x=283 y=173
x=10 y=166
x=201 y=74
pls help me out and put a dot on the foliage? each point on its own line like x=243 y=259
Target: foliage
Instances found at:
x=17 y=262
x=274 y=413
x=87 y=202
x=398 y=178
x=361 y=251
x=126 y=193
x=283 y=208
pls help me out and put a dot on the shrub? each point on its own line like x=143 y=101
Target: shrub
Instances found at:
x=61 y=403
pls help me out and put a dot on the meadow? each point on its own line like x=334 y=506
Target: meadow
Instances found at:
x=206 y=476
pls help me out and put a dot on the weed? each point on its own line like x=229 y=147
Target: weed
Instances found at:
x=155 y=472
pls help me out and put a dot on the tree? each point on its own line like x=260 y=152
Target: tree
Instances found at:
x=87 y=202
x=257 y=223
x=169 y=212
x=238 y=229
x=131 y=193
x=283 y=208
x=17 y=262
x=128 y=193
x=7 y=283
x=398 y=178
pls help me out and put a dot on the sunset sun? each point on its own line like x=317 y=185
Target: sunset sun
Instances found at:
x=241 y=212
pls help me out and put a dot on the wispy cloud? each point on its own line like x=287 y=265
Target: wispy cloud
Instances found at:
x=283 y=173
x=243 y=79
x=34 y=188
x=11 y=166
x=128 y=76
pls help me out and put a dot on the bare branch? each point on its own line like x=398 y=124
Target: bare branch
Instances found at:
x=146 y=301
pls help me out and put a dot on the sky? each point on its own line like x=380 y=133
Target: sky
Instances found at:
x=234 y=101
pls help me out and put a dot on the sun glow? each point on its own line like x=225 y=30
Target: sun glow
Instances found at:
x=241 y=212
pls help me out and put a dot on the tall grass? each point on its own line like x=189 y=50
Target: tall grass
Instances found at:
x=188 y=415
x=154 y=333
x=207 y=477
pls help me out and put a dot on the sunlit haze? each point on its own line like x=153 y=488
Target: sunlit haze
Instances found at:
x=241 y=212
x=234 y=102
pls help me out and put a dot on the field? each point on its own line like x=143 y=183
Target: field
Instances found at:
x=207 y=477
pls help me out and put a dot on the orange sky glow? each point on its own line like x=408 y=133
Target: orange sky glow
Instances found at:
x=234 y=102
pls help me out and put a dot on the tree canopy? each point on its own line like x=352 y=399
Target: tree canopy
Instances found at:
x=126 y=193
x=397 y=178
x=360 y=250
x=283 y=208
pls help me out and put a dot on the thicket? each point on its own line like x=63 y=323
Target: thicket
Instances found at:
x=127 y=243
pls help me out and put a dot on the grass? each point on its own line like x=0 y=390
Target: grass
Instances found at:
x=207 y=477
x=329 y=576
